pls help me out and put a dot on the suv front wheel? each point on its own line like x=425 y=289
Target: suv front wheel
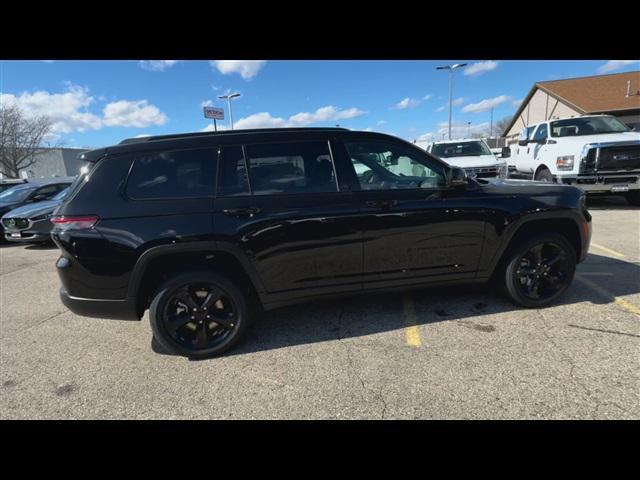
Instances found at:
x=539 y=270
x=198 y=314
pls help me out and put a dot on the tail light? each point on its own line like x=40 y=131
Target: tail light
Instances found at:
x=74 y=222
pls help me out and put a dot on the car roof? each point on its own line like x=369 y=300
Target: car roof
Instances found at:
x=459 y=141
x=204 y=139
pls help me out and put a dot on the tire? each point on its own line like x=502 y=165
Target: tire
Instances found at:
x=633 y=198
x=553 y=276
x=192 y=334
x=544 y=175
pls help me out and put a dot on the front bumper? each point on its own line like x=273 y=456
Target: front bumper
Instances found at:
x=603 y=183
x=26 y=236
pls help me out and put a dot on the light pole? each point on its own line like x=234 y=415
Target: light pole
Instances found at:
x=228 y=99
x=468 y=129
x=491 y=127
x=451 y=68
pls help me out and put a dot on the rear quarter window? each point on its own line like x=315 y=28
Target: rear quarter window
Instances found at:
x=172 y=174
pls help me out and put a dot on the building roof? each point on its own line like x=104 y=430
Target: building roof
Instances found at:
x=595 y=94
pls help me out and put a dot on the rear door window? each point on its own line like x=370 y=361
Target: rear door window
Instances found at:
x=286 y=168
x=232 y=175
x=173 y=174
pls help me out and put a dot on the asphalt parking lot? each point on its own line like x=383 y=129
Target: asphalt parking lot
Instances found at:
x=463 y=353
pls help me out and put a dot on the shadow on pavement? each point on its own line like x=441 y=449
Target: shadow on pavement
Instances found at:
x=364 y=315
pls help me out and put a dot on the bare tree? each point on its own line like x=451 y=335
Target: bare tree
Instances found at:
x=20 y=139
x=501 y=125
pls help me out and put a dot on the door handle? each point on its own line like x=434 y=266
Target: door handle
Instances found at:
x=244 y=212
x=384 y=204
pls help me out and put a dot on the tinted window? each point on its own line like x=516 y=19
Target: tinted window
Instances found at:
x=48 y=192
x=232 y=176
x=383 y=165
x=302 y=167
x=541 y=133
x=174 y=174
x=460 y=149
x=587 y=126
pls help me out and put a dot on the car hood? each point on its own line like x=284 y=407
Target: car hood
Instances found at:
x=7 y=207
x=33 y=209
x=473 y=161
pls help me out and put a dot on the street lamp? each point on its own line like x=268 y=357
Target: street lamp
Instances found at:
x=468 y=129
x=451 y=68
x=228 y=99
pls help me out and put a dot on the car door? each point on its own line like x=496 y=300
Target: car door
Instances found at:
x=416 y=229
x=279 y=204
x=526 y=150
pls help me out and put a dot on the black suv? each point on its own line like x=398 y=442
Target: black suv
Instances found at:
x=206 y=229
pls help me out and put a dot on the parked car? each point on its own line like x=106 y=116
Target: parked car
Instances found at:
x=7 y=183
x=30 y=223
x=474 y=156
x=206 y=229
x=597 y=153
x=31 y=192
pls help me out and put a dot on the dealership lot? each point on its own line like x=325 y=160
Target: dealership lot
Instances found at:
x=432 y=354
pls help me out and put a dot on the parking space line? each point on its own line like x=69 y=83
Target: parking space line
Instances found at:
x=620 y=302
x=608 y=250
x=412 y=333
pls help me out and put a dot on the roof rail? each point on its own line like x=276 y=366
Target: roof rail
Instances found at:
x=224 y=132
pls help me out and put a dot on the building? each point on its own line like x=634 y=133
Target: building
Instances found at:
x=54 y=162
x=617 y=94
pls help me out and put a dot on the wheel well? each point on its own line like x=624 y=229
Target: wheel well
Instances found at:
x=165 y=266
x=541 y=167
x=564 y=226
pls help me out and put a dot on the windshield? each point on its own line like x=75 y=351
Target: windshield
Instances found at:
x=61 y=194
x=16 y=194
x=587 y=126
x=460 y=149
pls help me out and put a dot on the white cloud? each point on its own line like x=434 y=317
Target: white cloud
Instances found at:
x=407 y=103
x=206 y=103
x=246 y=68
x=479 y=68
x=68 y=110
x=302 y=119
x=459 y=130
x=485 y=105
x=157 y=65
x=456 y=103
x=426 y=137
x=381 y=122
x=427 y=97
x=613 y=65
x=134 y=113
x=516 y=103
x=211 y=128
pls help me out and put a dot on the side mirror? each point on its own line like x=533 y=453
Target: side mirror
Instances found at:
x=457 y=177
x=506 y=152
x=523 y=143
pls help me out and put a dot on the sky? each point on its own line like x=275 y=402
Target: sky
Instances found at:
x=99 y=103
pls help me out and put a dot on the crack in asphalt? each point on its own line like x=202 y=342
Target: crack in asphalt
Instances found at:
x=569 y=360
x=34 y=325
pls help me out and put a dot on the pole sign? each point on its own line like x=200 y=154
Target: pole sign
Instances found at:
x=213 y=112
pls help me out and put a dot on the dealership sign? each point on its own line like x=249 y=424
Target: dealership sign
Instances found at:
x=215 y=113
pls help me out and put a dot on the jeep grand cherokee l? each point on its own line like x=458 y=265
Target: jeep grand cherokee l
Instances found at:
x=206 y=229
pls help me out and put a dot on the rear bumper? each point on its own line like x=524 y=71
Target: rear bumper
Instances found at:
x=89 y=307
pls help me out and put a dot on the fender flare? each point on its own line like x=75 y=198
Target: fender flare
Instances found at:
x=200 y=246
x=515 y=226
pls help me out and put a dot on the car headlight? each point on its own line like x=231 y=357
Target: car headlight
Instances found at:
x=565 y=162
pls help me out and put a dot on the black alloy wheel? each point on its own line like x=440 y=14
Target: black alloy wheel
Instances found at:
x=198 y=314
x=540 y=270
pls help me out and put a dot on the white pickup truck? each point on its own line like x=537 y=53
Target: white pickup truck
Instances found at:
x=473 y=155
x=597 y=153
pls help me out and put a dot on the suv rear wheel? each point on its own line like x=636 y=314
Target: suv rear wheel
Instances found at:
x=198 y=314
x=539 y=270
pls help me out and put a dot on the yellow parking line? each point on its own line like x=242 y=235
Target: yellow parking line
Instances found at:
x=608 y=250
x=412 y=333
x=622 y=303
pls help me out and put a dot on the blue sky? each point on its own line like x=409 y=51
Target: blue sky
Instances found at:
x=99 y=103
